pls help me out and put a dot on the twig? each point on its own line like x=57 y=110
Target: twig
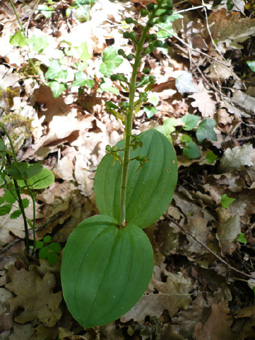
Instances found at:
x=211 y=251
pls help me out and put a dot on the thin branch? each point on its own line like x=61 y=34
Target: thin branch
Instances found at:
x=211 y=251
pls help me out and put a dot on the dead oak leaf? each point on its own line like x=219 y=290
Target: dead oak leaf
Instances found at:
x=203 y=101
x=35 y=295
x=217 y=326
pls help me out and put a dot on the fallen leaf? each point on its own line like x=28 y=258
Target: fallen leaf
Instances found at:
x=35 y=296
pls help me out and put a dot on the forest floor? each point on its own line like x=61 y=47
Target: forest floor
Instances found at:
x=203 y=286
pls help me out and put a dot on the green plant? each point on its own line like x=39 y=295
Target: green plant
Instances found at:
x=48 y=250
x=108 y=259
x=204 y=129
x=18 y=177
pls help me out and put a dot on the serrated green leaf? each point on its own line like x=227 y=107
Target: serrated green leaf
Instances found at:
x=5 y=209
x=111 y=61
x=43 y=253
x=18 y=40
x=105 y=270
x=81 y=79
x=57 y=88
x=54 y=246
x=205 y=130
x=149 y=190
x=53 y=258
x=55 y=71
x=47 y=239
x=9 y=196
x=211 y=157
x=226 y=201
x=25 y=202
x=191 y=150
x=15 y=214
x=38 y=244
x=190 y=122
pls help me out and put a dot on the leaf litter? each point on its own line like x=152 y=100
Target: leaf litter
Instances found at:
x=202 y=283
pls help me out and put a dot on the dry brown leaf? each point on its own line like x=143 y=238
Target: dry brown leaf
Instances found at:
x=229 y=30
x=173 y=295
x=218 y=326
x=35 y=295
x=228 y=230
x=203 y=101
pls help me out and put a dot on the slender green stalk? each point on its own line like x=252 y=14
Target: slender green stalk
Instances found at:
x=19 y=198
x=129 y=121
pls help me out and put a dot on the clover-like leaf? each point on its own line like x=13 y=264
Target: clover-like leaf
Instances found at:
x=105 y=270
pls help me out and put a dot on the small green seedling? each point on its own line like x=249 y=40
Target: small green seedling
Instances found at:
x=241 y=238
x=203 y=129
x=48 y=250
x=108 y=259
x=226 y=201
x=17 y=178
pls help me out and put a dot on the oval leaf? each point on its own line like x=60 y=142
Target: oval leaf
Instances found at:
x=149 y=190
x=40 y=181
x=105 y=270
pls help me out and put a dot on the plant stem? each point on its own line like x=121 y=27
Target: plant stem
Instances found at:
x=129 y=121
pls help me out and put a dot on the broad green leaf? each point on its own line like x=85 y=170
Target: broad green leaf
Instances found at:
x=211 y=157
x=1 y=200
x=45 y=10
x=226 y=201
x=81 y=79
x=111 y=61
x=168 y=126
x=55 y=71
x=149 y=190
x=57 y=88
x=105 y=270
x=40 y=181
x=5 y=209
x=9 y=196
x=18 y=40
x=205 y=130
x=15 y=214
x=191 y=150
x=190 y=122
x=251 y=64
